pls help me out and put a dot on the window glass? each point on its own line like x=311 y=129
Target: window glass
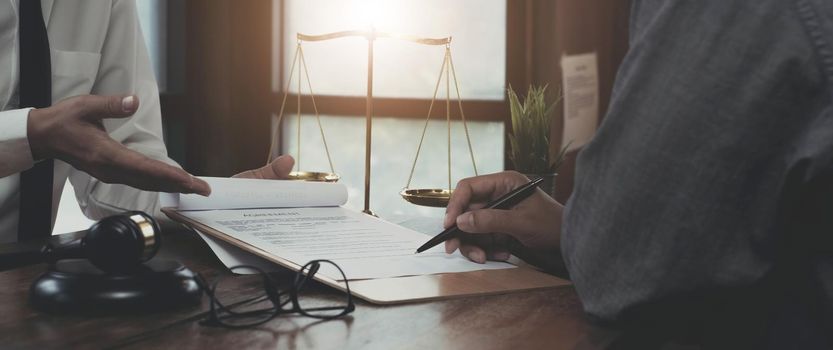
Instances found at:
x=394 y=146
x=401 y=69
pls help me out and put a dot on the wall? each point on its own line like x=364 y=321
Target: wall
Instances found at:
x=228 y=54
x=572 y=27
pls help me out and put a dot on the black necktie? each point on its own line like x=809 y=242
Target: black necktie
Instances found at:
x=35 y=91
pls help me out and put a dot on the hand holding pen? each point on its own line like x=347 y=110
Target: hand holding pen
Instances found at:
x=532 y=227
x=506 y=201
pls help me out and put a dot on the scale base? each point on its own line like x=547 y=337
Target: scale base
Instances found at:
x=437 y=198
x=76 y=286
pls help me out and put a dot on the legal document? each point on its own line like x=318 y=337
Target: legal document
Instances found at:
x=365 y=247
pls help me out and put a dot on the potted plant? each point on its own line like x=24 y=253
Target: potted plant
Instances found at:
x=529 y=141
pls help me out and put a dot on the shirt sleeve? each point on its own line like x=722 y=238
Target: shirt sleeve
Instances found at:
x=125 y=69
x=679 y=193
x=14 y=144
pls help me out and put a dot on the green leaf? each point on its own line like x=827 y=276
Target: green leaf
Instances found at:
x=529 y=139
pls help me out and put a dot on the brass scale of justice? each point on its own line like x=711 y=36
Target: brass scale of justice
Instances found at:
x=425 y=197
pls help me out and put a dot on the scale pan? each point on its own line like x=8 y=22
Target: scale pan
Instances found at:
x=427 y=197
x=313 y=176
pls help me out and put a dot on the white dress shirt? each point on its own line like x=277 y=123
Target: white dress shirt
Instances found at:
x=96 y=48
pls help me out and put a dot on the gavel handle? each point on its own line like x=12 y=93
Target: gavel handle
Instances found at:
x=20 y=254
x=14 y=255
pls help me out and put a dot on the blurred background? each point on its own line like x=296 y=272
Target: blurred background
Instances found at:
x=223 y=68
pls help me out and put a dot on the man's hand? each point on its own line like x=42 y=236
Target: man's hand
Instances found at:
x=72 y=131
x=278 y=169
x=530 y=229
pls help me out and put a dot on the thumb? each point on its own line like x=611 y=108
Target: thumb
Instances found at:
x=278 y=169
x=103 y=107
x=282 y=166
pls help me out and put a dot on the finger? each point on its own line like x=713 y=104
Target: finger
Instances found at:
x=119 y=164
x=458 y=202
x=157 y=176
x=102 y=107
x=248 y=174
x=498 y=254
x=474 y=253
x=282 y=166
x=463 y=195
x=475 y=191
x=451 y=245
x=197 y=185
x=499 y=248
x=489 y=221
x=277 y=169
x=494 y=246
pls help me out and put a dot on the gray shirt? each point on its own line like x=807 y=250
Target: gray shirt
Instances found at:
x=700 y=202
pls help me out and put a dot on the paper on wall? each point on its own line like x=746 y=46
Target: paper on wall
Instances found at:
x=581 y=98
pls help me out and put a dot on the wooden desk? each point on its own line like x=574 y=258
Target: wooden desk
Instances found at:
x=550 y=319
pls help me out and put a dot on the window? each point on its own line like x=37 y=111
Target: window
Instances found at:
x=405 y=74
x=401 y=69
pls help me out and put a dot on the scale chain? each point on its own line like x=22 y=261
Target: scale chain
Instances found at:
x=425 y=127
x=462 y=115
x=283 y=103
x=298 y=133
x=299 y=52
x=448 y=110
x=315 y=108
x=447 y=65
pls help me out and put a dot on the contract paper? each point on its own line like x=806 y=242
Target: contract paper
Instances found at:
x=230 y=255
x=233 y=193
x=364 y=246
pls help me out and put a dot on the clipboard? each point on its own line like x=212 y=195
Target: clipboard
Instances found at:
x=406 y=289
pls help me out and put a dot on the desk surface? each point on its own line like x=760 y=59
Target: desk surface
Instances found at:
x=542 y=319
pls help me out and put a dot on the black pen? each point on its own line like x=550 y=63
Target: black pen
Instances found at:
x=505 y=202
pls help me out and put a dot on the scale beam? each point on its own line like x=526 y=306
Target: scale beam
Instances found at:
x=372 y=35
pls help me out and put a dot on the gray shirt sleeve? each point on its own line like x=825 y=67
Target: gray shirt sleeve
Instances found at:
x=681 y=190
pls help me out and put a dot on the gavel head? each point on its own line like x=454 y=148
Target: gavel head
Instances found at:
x=120 y=243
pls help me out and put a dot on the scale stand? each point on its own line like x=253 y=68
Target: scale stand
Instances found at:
x=426 y=197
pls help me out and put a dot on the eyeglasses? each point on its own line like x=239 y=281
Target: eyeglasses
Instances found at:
x=273 y=302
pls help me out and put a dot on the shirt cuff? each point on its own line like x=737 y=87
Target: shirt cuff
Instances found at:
x=15 y=152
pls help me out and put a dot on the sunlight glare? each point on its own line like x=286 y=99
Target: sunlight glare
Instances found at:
x=380 y=14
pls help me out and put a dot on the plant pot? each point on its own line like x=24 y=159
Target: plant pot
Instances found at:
x=548 y=184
